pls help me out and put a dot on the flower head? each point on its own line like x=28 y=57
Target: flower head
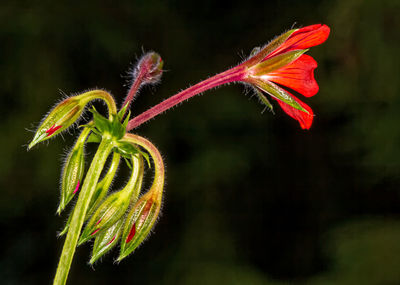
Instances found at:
x=283 y=62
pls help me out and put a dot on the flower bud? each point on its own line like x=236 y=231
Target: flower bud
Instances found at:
x=59 y=119
x=114 y=206
x=110 y=211
x=149 y=68
x=73 y=171
x=67 y=112
x=106 y=240
x=139 y=222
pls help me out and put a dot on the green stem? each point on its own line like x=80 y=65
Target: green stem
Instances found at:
x=101 y=94
x=81 y=207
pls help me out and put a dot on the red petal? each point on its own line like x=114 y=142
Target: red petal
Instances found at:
x=131 y=234
x=304 y=119
x=298 y=75
x=52 y=129
x=303 y=38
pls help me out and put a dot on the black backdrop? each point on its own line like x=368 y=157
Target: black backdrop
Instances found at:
x=250 y=197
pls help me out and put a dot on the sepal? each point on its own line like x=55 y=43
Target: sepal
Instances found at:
x=278 y=93
x=264 y=100
x=259 y=54
x=275 y=63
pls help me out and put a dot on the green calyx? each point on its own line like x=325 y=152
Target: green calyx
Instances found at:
x=277 y=92
x=115 y=126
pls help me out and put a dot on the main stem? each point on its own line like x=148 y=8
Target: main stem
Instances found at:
x=234 y=74
x=81 y=207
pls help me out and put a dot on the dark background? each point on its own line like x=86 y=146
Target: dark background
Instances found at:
x=250 y=197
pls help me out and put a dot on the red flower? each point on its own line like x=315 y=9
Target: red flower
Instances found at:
x=282 y=61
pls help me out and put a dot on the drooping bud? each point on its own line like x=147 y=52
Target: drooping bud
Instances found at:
x=114 y=206
x=67 y=113
x=59 y=119
x=139 y=222
x=143 y=215
x=73 y=171
x=106 y=240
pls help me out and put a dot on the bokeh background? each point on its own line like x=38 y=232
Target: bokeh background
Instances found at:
x=250 y=197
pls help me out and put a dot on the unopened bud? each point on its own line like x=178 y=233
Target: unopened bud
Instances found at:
x=139 y=222
x=59 y=119
x=106 y=240
x=106 y=215
x=67 y=113
x=150 y=68
x=73 y=171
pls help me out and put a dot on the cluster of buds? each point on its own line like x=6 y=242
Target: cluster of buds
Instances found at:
x=127 y=216
x=108 y=214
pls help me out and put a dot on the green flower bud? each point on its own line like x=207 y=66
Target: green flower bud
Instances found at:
x=106 y=240
x=139 y=222
x=114 y=206
x=67 y=113
x=59 y=119
x=143 y=215
x=73 y=171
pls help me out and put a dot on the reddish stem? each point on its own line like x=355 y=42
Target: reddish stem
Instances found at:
x=234 y=74
x=134 y=88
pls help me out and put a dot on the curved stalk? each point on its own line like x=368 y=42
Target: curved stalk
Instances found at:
x=103 y=95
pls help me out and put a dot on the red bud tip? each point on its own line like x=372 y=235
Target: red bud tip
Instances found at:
x=131 y=233
x=93 y=233
x=77 y=187
x=52 y=129
x=98 y=222
x=111 y=240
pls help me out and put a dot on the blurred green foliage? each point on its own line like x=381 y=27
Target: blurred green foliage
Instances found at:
x=250 y=198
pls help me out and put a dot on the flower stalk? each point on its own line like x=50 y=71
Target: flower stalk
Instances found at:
x=234 y=74
x=79 y=213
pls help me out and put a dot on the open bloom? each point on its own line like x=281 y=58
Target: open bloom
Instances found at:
x=283 y=62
